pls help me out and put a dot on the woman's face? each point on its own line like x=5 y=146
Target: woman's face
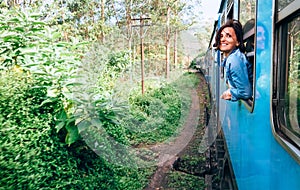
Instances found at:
x=260 y=38
x=228 y=40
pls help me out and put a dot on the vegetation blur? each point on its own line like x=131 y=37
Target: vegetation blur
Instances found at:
x=70 y=69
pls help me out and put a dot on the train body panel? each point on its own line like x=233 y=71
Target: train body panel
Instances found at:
x=258 y=160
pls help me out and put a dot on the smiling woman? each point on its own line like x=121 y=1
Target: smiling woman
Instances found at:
x=262 y=134
x=229 y=40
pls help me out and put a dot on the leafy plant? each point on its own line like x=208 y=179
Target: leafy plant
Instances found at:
x=158 y=114
x=52 y=91
x=177 y=180
x=34 y=156
x=31 y=46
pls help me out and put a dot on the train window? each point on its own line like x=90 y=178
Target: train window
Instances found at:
x=247 y=10
x=283 y=4
x=247 y=14
x=221 y=57
x=226 y=16
x=286 y=81
x=229 y=9
x=293 y=77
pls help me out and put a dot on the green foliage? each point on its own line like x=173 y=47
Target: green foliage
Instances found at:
x=30 y=45
x=177 y=180
x=193 y=64
x=119 y=61
x=34 y=156
x=18 y=33
x=95 y=104
x=158 y=113
x=26 y=149
x=50 y=95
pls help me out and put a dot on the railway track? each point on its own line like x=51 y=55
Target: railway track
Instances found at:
x=186 y=167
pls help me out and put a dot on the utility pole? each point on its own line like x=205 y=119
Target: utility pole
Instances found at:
x=168 y=43
x=141 y=25
x=175 y=38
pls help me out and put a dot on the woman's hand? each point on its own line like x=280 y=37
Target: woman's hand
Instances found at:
x=226 y=95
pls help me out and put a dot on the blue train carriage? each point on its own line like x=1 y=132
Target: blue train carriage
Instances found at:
x=262 y=134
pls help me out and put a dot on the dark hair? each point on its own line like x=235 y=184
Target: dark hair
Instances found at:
x=238 y=29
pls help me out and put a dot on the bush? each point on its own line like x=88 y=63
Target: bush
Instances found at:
x=158 y=114
x=34 y=156
x=29 y=156
x=154 y=116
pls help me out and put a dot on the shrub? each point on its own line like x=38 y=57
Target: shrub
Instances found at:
x=35 y=156
x=158 y=114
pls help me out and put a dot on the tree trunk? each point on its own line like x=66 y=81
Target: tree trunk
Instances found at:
x=103 y=20
x=129 y=35
x=175 y=48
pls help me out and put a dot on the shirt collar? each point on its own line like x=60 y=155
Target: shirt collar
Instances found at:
x=224 y=61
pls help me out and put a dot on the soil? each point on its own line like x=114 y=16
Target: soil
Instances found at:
x=181 y=159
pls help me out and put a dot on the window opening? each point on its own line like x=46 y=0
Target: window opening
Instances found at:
x=247 y=14
x=286 y=81
x=292 y=105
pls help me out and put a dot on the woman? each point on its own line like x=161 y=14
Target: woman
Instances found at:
x=229 y=40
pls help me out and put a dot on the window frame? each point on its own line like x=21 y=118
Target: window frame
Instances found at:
x=283 y=134
x=250 y=103
x=229 y=13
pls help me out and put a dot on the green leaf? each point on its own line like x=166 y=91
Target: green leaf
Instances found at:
x=56 y=35
x=72 y=135
x=20 y=29
x=59 y=126
x=3 y=27
x=38 y=23
x=36 y=29
x=48 y=100
x=74 y=84
x=96 y=122
x=62 y=44
x=28 y=51
x=82 y=124
x=63 y=115
x=14 y=20
x=35 y=15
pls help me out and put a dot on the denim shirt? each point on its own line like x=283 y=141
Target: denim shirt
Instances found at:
x=239 y=75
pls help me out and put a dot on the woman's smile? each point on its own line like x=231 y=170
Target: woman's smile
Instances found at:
x=228 y=40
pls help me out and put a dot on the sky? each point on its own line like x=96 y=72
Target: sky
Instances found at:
x=210 y=8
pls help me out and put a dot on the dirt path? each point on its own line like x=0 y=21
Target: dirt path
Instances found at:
x=170 y=152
